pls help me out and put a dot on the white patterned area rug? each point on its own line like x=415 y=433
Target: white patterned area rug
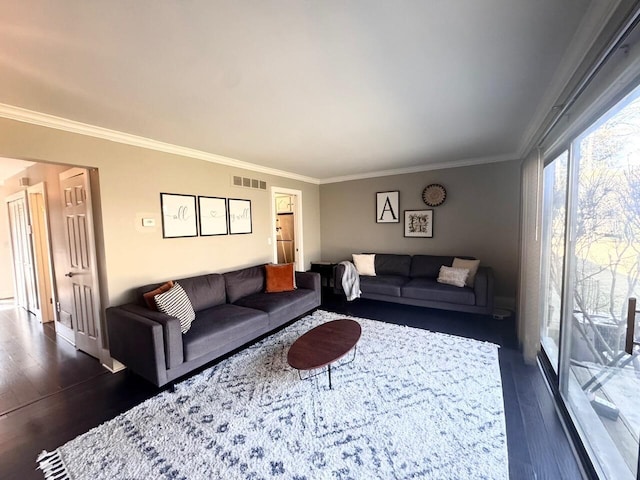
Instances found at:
x=413 y=404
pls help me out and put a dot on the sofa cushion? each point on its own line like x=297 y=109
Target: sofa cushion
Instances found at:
x=205 y=291
x=388 y=264
x=365 y=263
x=472 y=265
x=453 y=276
x=430 y=289
x=280 y=278
x=175 y=302
x=383 y=284
x=428 y=265
x=222 y=324
x=149 y=296
x=241 y=283
x=283 y=306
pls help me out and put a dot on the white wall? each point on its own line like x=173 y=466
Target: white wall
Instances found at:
x=130 y=182
x=6 y=265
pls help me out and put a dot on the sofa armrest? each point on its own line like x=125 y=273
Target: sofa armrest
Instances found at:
x=483 y=288
x=172 y=333
x=137 y=342
x=311 y=281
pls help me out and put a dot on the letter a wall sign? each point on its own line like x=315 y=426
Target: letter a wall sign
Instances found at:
x=388 y=207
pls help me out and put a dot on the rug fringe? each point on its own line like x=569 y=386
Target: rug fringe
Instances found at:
x=52 y=466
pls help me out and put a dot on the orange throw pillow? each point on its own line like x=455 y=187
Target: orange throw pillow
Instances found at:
x=280 y=278
x=149 y=296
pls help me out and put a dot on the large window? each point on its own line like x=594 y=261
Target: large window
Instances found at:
x=591 y=258
x=553 y=247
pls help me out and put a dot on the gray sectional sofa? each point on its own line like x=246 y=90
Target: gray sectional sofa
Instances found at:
x=411 y=280
x=231 y=310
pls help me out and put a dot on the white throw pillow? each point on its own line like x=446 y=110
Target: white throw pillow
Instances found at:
x=472 y=265
x=365 y=264
x=176 y=303
x=453 y=276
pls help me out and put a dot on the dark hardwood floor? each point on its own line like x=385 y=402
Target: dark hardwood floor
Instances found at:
x=50 y=393
x=34 y=362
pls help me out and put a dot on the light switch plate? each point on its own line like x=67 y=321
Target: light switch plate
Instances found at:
x=148 y=222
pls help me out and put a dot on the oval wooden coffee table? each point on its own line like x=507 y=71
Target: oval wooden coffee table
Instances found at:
x=323 y=345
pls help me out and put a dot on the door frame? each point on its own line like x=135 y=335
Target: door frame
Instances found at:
x=298 y=226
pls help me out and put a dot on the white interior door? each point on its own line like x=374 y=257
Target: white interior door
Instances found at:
x=22 y=254
x=78 y=292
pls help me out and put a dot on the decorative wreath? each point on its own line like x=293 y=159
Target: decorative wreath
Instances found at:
x=434 y=195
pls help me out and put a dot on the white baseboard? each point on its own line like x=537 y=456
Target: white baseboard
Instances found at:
x=113 y=365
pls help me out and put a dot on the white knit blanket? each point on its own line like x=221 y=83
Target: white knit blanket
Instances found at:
x=350 y=281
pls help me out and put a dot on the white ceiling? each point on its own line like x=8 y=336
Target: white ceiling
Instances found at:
x=322 y=89
x=10 y=167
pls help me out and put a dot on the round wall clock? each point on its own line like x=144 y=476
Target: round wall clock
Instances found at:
x=434 y=195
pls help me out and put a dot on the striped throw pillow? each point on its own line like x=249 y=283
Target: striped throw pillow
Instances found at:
x=176 y=303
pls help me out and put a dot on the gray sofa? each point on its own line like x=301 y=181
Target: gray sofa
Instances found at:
x=231 y=310
x=411 y=280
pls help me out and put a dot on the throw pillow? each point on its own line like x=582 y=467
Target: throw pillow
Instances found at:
x=365 y=264
x=453 y=276
x=472 y=265
x=280 y=278
x=176 y=303
x=149 y=296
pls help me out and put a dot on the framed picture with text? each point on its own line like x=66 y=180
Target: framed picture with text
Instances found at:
x=213 y=216
x=418 y=223
x=387 y=207
x=240 y=216
x=179 y=215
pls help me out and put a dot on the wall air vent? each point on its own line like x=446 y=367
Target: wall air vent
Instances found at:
x=246 y=182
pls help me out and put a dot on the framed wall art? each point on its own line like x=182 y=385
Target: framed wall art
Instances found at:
x=213 y=216
x=179 y=217
x=387 y=207
x=418 y=223
x=239 y=216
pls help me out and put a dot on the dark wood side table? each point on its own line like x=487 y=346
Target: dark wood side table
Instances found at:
x=326 y=271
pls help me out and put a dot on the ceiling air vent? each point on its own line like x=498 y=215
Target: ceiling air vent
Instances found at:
x=246 y=182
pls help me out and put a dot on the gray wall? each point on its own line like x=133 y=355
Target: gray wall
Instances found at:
x=479 y=218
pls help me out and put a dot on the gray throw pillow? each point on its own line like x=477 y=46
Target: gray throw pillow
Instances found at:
x=176 y=303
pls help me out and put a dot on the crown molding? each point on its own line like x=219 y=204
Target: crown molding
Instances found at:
x=422 y=168
x=50 y=121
